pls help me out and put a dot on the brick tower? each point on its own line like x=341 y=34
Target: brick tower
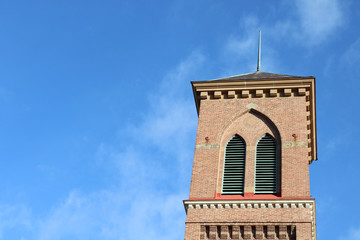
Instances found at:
x=255 y=140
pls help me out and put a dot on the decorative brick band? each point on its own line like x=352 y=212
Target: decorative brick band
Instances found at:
x=255 y=204
x=207 y=146
x=294 y=144
x=248 y=231
x=249 y=204
x=253 y=93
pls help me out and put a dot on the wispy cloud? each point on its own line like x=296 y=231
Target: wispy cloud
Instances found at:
x=172 y=113
x=14 y=217
x=353 y=234
x=145 y=199
x=312 y=23
x=240 y=50
x=318 y=19
x=351 y=58
x=107 y=215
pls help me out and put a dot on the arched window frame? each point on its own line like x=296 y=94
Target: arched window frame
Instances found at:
x=276 y=168
x=225 y=163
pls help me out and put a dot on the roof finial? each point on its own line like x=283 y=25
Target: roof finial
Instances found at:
x=259 y=53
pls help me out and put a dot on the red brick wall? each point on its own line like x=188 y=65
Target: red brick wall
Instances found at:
x=251 y=118
x=220 y=119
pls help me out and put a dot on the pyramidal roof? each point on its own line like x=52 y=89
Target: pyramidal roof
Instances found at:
x=259 y=75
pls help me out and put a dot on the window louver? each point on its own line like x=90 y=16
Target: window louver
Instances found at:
x=265 y=167
x=234 y=166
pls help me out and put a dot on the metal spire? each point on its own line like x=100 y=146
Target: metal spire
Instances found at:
x=259 y=54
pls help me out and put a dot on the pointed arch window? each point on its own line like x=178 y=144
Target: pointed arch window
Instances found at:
x=234 y=166
x=266 y=166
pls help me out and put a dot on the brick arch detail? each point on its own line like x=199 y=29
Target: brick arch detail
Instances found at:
x=270 y=124
x=228 y=123
x=251 y=125
x=228 y=130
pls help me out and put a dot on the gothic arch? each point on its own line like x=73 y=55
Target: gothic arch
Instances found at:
x=228 y=129
x=269 y=123
x=251 y=125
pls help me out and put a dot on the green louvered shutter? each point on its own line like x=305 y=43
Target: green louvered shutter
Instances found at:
x=234 y=166
x=266 y=165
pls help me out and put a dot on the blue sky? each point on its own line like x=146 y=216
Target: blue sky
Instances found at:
x=98 y=122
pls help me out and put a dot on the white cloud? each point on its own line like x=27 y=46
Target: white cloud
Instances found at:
x=240 y=51
x=170 y=124
x=353 y=234
x=172 y=115
x=313 y=22
x=309 y=23
x=13 y=216
x=319 y=19
x=107 y=215
x=351 y=58
x=146 y=198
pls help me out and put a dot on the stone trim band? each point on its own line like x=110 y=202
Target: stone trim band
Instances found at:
x=254 y=204
x=249 y=204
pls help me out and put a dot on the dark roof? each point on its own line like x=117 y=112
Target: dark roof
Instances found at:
x=259 y=75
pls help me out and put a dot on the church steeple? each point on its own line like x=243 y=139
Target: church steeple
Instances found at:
x=259 y=54
x=255 y=140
